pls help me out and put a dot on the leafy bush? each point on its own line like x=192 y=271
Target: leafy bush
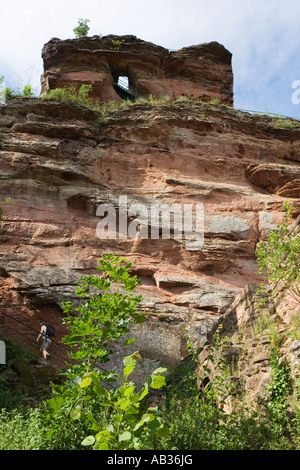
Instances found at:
x=117 y=44
x=82 y=28
x=279 y=389
x=127 y=428
x=104 y=314
x=73 y=94
x=280 y=122
x=9 y=93
x=89 y=400
x=84 y=91
x=28 y=91
x=21 y=430
x=279 y=257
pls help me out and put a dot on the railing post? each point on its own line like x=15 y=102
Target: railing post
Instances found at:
x=2 y=353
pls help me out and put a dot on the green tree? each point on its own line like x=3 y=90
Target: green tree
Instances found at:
x=105 y=312
x=82 y=28
x=278 y=258
x=127 y=427
x=88 y=400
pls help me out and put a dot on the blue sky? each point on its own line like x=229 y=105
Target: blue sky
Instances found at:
x=263 y=36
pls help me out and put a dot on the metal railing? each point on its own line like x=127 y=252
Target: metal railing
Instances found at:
x=124 y=89
x=266 y=113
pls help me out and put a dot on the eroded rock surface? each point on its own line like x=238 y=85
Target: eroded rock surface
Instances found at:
x=58 y=165
x=200 y=72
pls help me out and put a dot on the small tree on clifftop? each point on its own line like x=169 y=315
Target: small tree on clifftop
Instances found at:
x=82 y=28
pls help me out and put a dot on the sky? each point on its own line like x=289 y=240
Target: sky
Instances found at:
x=263 y=36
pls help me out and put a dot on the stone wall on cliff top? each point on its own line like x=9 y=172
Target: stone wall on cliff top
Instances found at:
x=58 y=166
x=200 y=72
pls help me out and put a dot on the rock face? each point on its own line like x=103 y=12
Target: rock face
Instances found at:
x=75 y=186
x=201 y=72
x=278 y=179
x=250 y=331
x=58 y=166
x=31 y=379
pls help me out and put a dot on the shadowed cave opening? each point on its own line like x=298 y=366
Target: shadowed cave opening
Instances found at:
x=124 y=85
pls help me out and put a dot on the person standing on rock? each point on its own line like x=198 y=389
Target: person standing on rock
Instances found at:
x=46 y=340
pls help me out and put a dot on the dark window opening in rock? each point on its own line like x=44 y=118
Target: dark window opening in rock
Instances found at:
x=123 y=82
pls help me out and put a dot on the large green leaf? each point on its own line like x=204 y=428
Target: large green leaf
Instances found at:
x=88 y=441
x=158 y=381
x=125 y=436
x=128 y=369
x=86 y=382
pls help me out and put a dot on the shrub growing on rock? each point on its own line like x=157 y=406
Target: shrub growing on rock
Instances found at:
x=82 y=28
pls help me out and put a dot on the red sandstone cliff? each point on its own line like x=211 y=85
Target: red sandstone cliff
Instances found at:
x=201 y=72
x=58 y=165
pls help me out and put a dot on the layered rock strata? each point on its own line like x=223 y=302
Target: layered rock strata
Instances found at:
x=59 y=165
x=200 y=72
